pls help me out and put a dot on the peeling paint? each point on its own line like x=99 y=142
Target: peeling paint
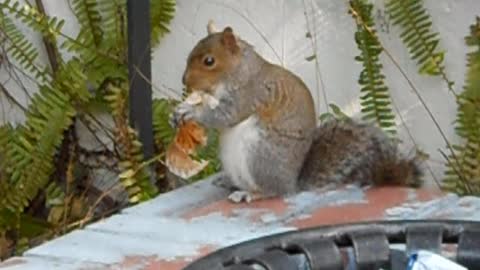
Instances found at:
x=372 y=207
x=253 y=210
x=134 y=240
x=280 y=209
x=232 y=230
x=450 y=206
x=427 y=194
x=109 y=248
x=139 y=240
x=160 y=239
x=213 y=229
x=155 y=263
x=305 y=202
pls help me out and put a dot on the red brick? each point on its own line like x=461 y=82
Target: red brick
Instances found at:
x=424 y=195
x=276 y=206
x=378 y=200
x=153 y=263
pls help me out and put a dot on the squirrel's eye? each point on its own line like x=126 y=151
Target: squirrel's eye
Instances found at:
x=208 y=61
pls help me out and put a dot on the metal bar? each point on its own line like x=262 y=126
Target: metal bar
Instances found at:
x=139 y=61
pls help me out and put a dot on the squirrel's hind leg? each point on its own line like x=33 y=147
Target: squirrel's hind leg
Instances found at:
x=224 y=181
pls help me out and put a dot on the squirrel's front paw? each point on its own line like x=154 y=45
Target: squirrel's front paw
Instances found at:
x=183 y=112
x=240 y=196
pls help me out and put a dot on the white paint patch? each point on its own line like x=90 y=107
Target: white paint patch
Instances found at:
x=111 y=247
x=236 y=146
x=313 y=199
x=213 y=229
x=303 y=204
x=110 y=241
x=449 y=207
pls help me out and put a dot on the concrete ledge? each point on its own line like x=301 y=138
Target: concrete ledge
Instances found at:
x=175 y=228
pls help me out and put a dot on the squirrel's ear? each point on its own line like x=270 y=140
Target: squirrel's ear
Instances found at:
x=211 y=28
x=229 y=39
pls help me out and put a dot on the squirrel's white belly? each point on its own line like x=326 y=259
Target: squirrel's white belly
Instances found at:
x=236 y=146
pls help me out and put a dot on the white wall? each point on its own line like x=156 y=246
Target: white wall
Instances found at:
x=277 y=28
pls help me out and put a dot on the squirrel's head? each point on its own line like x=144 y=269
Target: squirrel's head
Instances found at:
x=211 y=60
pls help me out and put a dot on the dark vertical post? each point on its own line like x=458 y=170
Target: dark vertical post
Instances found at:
x=139 y=69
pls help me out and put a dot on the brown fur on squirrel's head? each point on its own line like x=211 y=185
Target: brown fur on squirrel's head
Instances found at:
x=211 y=59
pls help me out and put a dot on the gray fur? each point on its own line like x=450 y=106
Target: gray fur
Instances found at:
x=277 y=163
x=292 y=154
x=345 y=151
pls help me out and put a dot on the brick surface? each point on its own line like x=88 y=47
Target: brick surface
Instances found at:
x=175 y=228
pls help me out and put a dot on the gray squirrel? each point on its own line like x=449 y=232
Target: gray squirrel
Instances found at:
x=270 y=144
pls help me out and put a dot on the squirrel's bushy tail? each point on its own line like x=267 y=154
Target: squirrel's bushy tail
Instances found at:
x=398 y=170
x=346 y=151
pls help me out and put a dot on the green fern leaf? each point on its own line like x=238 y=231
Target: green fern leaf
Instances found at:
x=417 y=35
x=49 y=27
x=54 y=195
x=161 y=13
x=163 y=132
x=86 y=11
x=375 y=99
x=22 y=50
x=337 y=114
x=114 y=25
x=32 y=146
x=103 y=49
x=35 y=160
x=463 y=169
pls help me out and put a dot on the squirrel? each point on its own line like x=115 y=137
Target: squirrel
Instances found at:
x=270 y=143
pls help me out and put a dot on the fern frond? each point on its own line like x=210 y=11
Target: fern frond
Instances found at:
x=163 y=132
x=72 y=80
x=114 y=25
x=103 y=49
x=376 y=104
x=417 y=34
x=5 y=134
x=336 y=114
x=49 y=27
x=54 y=194
x=90 y=20
x=161 y=13
x=463 y=174
x=30 y=153
x=98 y=62
x=135 y=177
x=21 y=49
x=33 y=145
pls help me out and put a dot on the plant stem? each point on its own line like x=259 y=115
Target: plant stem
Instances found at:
x=50 y=47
